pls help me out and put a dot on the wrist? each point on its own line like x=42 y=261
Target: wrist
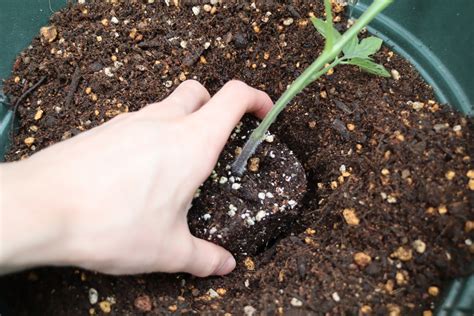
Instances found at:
x=32 y=223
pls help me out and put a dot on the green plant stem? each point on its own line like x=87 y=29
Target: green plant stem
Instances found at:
x=313 y=72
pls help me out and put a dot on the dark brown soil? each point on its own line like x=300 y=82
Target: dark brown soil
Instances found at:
x=388 y=210
x=246 y=214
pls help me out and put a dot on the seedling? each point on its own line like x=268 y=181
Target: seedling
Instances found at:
x=338 y=49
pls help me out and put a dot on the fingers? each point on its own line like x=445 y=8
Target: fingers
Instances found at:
x=219 y=116
x=209 y=259
x=185 y=99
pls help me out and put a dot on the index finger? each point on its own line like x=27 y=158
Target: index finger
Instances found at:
x=221 y=114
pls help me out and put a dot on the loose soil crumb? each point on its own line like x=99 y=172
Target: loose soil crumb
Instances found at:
x=389 y=171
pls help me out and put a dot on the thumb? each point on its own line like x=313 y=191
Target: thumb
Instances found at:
x=209 y=259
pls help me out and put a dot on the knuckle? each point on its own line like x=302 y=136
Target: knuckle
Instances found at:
x=195 y=86
x=236 y=85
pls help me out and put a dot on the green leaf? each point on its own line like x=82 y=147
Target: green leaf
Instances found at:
x=367 y=47
x=369 y=66
x=325 y=28
x=350 y=47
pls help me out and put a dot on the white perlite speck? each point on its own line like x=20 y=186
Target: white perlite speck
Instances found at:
x=212 y=230
x=270 y=138
x=342 y=168
x=206 y=217
x=261 y=195
x=250 y=221
x=93 y=296
x=395 y=74
x=223 y=180
x=183 y=44
x=232 y=210
x=335 y=296
x=249 y=310
x=419 y=246
x=296 y=302
x=212 y=293
x=269 y=195
x=260 y=215
x=236 y=186
x=114 y=20
x=108 y=72
x=288 y=22
x=196 y=10
x=292 y=203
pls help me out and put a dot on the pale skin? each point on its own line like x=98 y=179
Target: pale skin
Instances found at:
x=114 y=199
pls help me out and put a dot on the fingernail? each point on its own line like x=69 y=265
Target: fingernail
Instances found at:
x=226 y=267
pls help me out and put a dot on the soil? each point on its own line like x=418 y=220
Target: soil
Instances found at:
x=247 y=214
x=388 y=214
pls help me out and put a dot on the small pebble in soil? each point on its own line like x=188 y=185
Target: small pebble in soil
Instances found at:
x=362 y=259
x=402 y=253
x=38 y=115
x=49 y=33
x=249 y=264
x=416 y=105
x=471 y=184
x=442 y=209
x=450 y=175
x=394 y=310
x=469 y=226
x=401 y=277
x=93 y=296
x=350 y=216
x=433 y=290
x=221 y=291
x=254 y=164
x=427 y=313
x=395 y=74
x=470 y=174
x=296 y=302
x=29 y=141
x=365 y=310
x=419 y=246
x=105 y=306
x=173 y=308
x=143 y=303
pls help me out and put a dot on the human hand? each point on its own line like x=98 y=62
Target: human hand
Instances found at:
x=115 y=198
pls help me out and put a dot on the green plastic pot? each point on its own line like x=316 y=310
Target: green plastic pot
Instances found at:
x=436 y=36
